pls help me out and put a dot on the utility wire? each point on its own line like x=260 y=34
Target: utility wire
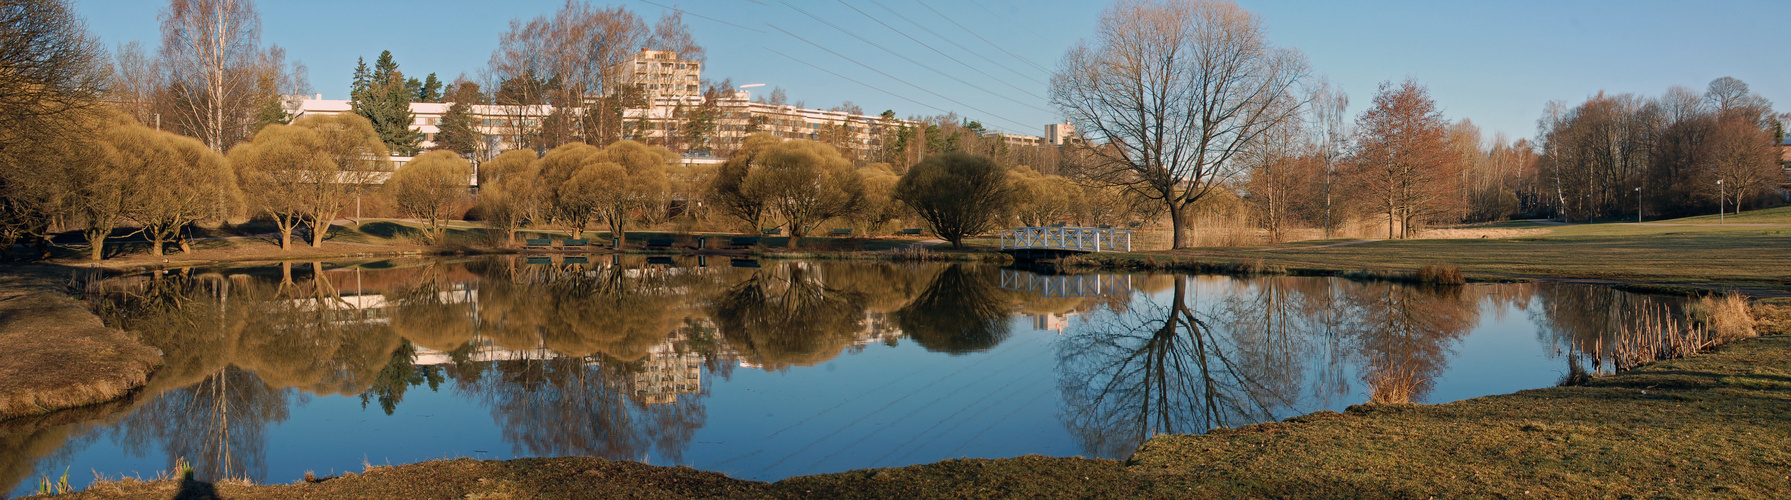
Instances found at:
x=881 y=72
x=700 y=16
x=1010 y=20
x=909 y=59
x=955 y=43
x=942 y=53
x=980 y=37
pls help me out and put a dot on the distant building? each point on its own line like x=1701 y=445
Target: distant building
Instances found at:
x=660 y=73
x=1059 y=134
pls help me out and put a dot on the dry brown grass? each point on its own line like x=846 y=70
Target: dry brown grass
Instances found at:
x=58 y=354
x=1441 y=274
x=1726 y=317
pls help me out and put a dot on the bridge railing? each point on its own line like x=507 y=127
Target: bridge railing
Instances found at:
x=1080 y=239
x=1066 y=285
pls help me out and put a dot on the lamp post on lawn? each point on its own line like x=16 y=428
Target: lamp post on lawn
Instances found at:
x=1638 y=204
x=1722 y=196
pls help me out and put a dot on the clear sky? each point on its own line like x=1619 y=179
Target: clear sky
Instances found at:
x=1494 y=62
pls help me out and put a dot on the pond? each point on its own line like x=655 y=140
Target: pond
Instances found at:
x=769 y=369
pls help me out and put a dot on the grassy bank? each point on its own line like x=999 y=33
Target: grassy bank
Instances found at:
x=1709 y=425
x=1669 y=255
x=57 y=353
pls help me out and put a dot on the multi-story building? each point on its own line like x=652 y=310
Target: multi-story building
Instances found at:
x=660 y=73
x=1059 y=134
x=666 y=120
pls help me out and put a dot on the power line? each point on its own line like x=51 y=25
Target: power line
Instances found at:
x=909 y=59
x=700 y=16
x=881 y=72
x=1022 y=26
x=947 y=40
x=980 y=37
x=956 y=44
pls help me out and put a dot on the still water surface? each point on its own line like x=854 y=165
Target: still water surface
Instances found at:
x=766 y=370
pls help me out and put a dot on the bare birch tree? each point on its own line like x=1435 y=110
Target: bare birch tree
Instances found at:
x=1172 y=92
x=211 y=50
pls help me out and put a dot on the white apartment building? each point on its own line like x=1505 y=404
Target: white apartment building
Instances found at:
x=660 y=73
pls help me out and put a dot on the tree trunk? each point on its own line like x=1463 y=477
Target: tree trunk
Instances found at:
x=319 y=229
x=285 y=237
x=156 y=241
x=796 y=234
x=510 y=236
x=1178 y=240
x=96 y=244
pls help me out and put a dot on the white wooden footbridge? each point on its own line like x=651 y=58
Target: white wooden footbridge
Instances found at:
x=1032 y=243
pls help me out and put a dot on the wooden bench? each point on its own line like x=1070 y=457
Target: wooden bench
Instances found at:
x=538 y=260
x=1060 y=224
x=1134 y=225
x=660 y=243
x=772 y=231
x=537 y=242
x=575 y=243
x=913 y=231
x=1106 y=226
x=743 y=241
x=844 y=231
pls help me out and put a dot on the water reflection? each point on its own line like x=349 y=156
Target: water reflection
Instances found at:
x=618 y=358
x=1249 y=352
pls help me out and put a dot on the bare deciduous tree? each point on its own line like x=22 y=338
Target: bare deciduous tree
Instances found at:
x=429 y=187
x=510 y=191
x=210 y=51
x=1173 y=91
x=180 y=181
x=1402 y=165
x=805 y=183
x=959 y=194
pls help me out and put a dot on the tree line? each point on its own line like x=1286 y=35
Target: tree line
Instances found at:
x=1189 y=107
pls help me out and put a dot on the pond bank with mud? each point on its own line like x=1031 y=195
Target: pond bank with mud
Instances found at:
x=58 y=354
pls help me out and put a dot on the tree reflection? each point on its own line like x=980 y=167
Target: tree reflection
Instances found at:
x=787 y=316
x=964 y=310
x=1168 y=367
x=1156 y=368
x=1404 y=336
x=583 y=406
x=219 y=425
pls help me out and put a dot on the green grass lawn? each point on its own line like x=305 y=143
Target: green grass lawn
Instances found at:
x=1672 y=252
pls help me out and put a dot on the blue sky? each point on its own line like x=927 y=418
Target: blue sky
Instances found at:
x=1496 y=63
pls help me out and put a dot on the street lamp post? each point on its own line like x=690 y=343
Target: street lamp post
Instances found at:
x=1722 y=196
x=1638 y=205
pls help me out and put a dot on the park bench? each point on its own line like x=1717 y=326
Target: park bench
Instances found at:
x=1060 y=224
x=575 y=260
x=1134 y=224
x=844 y=231
x=575 y=243
x=913 y=231
x=537 y=242
x=772 y=231
x=538 y=260
x=743 y=241
x=1106 y=226
x=660 y=261
x=659 y=243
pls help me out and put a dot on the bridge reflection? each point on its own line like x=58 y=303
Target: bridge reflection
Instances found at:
x=1066 y=285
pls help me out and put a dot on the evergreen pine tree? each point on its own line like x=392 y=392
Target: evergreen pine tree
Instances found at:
x=383 y=98
x=458 y=132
